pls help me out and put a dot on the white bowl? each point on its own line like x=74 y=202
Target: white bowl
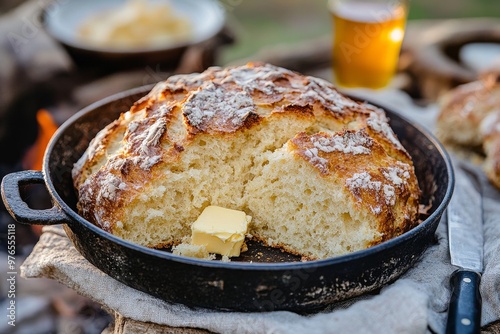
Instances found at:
x=63 y=19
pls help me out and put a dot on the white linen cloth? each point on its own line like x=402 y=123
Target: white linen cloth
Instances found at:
x=415 y=303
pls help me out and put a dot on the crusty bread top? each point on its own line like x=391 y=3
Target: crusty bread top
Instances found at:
x=470 y=116
x=126 y=155
x=464 y=108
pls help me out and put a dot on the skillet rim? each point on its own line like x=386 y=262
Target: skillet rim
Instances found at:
x=233 y=265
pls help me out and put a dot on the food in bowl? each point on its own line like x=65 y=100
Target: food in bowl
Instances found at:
x=136 y=24
x=320 y=174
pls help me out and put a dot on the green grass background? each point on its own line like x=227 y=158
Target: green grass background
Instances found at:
x=262 y=23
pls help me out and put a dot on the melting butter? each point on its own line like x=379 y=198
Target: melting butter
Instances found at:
x=220 y=230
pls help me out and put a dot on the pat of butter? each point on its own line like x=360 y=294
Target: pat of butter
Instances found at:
x=220 y=230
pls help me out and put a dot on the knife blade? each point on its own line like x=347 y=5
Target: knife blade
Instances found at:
x=465 y=234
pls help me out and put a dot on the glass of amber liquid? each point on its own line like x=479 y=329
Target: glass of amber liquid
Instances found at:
x=367 y=41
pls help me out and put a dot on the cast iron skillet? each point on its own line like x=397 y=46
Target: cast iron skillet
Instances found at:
x=240 y=286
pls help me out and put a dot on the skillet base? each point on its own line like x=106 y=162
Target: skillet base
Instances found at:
x=285 y=284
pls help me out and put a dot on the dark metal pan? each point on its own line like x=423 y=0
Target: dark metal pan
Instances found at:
x=242 y=286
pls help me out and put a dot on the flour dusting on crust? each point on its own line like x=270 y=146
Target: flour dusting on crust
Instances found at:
x=306 y=162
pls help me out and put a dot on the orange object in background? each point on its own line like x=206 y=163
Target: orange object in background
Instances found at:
x=33 y=159
x=367 y=41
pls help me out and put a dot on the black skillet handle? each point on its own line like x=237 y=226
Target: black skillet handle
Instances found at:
x=464 y=313
x=18 y=208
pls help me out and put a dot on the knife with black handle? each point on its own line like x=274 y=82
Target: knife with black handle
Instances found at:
x=465 y=233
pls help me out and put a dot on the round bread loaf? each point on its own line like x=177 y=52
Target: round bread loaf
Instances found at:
x=320 y=174
x=470 y=116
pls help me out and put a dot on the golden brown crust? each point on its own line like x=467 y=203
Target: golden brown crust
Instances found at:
x=470 y=116
x=491 y=145
x=341 y=139
x=374 y=179
x=464 y=108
